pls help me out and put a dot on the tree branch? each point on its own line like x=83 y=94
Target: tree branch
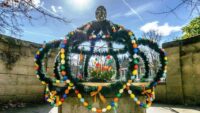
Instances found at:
x=14 y=12
x=193 y=4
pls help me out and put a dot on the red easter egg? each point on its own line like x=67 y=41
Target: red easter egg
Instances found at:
x=76 y=91
x=135 y=66
x=108 y=57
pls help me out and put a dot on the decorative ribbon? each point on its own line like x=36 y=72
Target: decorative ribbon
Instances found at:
x=81 y=57
x=148 y=92
x=94 y=94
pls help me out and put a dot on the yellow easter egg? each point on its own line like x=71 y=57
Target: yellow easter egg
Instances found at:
x=79 y=96
x=62 y=56
x=43 y=82
x=132 y=96
x=49 y=100
x=38 y=52
x=108 y=107
x=71 y=84
x=135 y=72
x=130 y=33
x=57 y=81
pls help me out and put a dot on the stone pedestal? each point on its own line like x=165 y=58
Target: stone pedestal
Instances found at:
x=126 y=105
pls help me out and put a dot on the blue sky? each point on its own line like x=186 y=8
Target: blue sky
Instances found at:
x=132 y=14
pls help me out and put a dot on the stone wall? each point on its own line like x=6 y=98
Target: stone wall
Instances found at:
x=17 y=76
x=183 y=78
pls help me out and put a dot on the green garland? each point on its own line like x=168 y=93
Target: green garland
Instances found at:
x=143 y=42
x=146 y=64
x=116 y=34
x=163 y=59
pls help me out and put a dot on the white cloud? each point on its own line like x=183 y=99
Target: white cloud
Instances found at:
x=53 y=8
x=56 y=9
x=164 y=30
x=59 y=7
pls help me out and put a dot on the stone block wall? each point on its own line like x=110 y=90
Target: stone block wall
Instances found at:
x=183 y=73
x=17 y=76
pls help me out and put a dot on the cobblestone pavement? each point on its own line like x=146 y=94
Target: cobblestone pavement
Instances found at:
x=157 y=108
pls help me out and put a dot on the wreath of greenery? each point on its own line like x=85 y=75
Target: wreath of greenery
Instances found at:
x=162 y=57
x=146 y=64
x=93 y=32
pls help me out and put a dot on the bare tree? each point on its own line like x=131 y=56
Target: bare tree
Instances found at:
x=153 y=35
x=152 y=55
x=14 y=12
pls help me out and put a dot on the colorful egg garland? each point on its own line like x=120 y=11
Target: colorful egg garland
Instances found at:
x=57 y=94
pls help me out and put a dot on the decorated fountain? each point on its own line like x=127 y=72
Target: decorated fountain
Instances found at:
x=97 y=85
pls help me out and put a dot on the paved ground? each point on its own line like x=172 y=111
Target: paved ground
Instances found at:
x=157 y=108
x=161 y=108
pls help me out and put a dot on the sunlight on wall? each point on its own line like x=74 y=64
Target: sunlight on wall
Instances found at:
x=54 y=110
